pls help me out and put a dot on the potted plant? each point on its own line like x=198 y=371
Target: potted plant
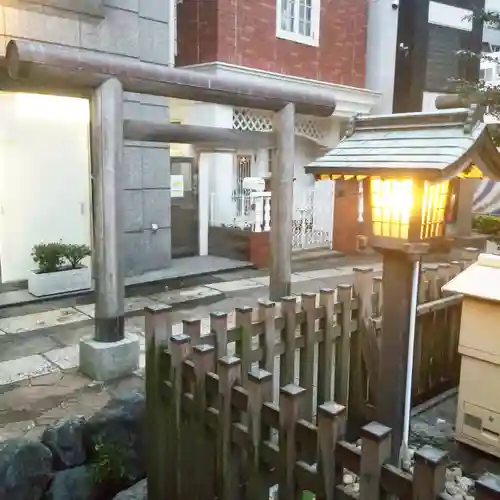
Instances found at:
x=60 y=269
x=490 y=226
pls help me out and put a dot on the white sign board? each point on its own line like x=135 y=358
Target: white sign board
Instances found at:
x=176 y=186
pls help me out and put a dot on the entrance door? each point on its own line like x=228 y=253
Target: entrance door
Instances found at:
x=44 y=177
x=184 y=203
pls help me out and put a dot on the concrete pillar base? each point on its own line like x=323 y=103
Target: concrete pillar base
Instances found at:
x=105 y=361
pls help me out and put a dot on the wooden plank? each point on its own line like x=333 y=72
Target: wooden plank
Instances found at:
x=378 y=296
x=259 y=388
x=343 y=347
x=287 y=360
x=428 y=327
x=204 y=458
x=306 y=356
x=375 y=451
x=429 y=473
x=290 y=400
x=331 y=429
x=326 y=348
x=227 y=480
x=158 y=332
x=180 y=348
x=267 y=315
x=218 y=328
x=244 y=344
x=364 y=343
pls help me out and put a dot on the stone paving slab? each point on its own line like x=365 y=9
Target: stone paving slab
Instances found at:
x=174 y=297
x=233 y=286
x=65 y=358
x=47 y=319
x=132 y=305
x=16 y=370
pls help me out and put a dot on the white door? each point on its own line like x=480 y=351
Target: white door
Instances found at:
x=44 y=177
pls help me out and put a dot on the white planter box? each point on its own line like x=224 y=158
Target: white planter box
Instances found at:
x=66 y=281
x=492 y=247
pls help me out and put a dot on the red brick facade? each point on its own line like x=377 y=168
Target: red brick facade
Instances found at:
x=243 y=32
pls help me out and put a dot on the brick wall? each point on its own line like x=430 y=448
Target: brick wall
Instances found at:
x=243 y=32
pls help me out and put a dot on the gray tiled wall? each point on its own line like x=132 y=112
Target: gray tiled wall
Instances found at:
x=134 y=28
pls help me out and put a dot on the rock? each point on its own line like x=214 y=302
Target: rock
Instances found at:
x=348 y=479
x=76 y=483
x=137 y=492
x=25 y=469
x=115 y=436
x=452 y=489
x=453 y=473
x=465 y=483
x=65 y=441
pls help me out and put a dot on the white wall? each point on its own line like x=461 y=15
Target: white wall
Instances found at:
x=44 y=177
x=382 y=32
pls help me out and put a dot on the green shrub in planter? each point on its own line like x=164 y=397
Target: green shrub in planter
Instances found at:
x=488 y=225
x=74 y=254
x=49 y=257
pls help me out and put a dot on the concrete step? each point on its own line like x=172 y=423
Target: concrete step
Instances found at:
x=315 y=254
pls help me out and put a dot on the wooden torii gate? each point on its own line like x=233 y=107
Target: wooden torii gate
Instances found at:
x=34 y=66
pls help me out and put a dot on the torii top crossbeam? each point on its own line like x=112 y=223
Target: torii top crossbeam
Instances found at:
x=66 y=67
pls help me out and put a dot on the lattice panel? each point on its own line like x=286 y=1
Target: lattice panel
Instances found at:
x=252 y=121
x=258 y=121
x=309 y=128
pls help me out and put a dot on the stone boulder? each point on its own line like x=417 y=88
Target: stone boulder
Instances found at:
x=65 y=440
x=116 y=435
x=25 y=469
x=137 y=492
x=76 y=483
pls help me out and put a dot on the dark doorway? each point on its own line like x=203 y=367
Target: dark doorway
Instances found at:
x=184 y=203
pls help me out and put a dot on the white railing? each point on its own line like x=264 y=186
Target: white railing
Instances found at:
x=261 y=202
x=250 y=211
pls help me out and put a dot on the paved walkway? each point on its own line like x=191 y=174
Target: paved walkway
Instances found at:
x=39 y=378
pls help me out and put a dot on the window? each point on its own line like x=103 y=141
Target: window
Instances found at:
x=298 y=21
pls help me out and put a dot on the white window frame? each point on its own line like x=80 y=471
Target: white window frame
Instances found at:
x=313 y=39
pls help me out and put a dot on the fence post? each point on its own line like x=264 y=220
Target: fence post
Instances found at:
x=326 y=348
x=364 y=345
x=287 y=361
x=227 y=480
x=331 y=429
x=343 y=349
x=267 y=314
x=204 y=481
x=180 y=348
x=244 y=343
x=306 y=356
x=455 y=268
x=377 y=296
x=290 y=396
x=218 y=328
x=429 y=473
x=158 y=332
x=259 y=386
x=192 y=328
x=488 y=487
x=375 y=451
x=470 y=255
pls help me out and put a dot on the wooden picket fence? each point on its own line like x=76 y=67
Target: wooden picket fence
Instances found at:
x=215 y=433
x=436 y=359
x=249 y=404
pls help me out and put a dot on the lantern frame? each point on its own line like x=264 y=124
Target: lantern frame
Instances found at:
x=425 y=221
